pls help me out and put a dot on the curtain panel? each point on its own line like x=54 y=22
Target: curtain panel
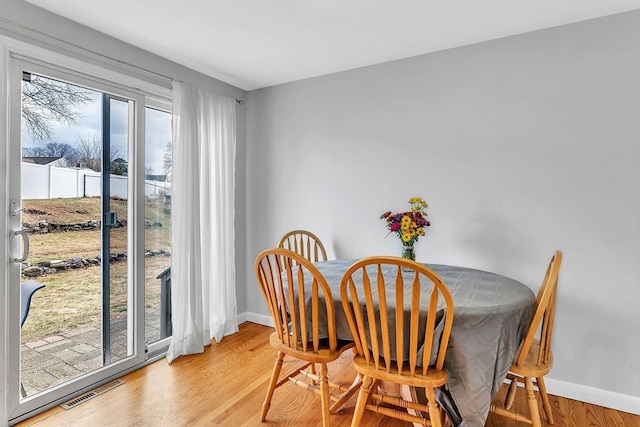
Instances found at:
x=203 y=277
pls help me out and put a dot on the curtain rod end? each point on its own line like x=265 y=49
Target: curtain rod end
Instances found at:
x=239 y=101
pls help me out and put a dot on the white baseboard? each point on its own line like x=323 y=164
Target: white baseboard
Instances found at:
x=260 y=319
x=582 y=393
x=241 y=318
x=595 y=396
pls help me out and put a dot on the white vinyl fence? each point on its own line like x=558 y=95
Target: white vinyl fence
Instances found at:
x=52 y=182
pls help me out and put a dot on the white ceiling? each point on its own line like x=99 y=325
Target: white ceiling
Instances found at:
x=258 y=43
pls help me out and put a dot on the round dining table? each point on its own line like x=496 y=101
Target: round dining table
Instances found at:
x=491 y=315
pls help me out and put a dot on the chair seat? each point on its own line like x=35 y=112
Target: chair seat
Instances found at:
x=323 y=355
x=433 y=378
x=530 y=367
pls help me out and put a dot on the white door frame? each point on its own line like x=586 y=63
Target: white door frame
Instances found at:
x=12 y=407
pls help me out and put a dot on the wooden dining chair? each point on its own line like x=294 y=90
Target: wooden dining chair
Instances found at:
x=403 y=346
x=305 y=243
x=534 y=358
x=301 y=303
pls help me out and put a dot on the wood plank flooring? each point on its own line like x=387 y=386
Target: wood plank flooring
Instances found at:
x=225 y=386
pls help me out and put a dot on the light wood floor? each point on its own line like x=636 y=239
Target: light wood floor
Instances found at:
x=225 y=386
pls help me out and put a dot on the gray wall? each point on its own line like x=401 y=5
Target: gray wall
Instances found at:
x=521 y=146
x=63 y=35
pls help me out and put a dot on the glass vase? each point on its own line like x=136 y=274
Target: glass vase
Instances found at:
x=408 y=252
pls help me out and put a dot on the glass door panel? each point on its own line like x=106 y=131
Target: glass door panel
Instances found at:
x=115 y=289
x=75 y=216
x=158 y=164
x=61 y=171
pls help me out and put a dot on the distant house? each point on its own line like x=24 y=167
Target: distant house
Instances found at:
x=47 y=161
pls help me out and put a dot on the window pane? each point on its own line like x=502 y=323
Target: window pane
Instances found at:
x=157 y=225
x=75 y=143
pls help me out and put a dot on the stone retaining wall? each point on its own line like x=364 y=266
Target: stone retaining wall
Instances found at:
x=41 y=227
x=54 y=266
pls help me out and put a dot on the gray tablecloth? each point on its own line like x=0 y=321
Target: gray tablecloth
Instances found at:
x=491 y=315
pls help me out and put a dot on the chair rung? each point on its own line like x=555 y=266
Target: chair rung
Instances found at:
x=312 y=376
x=395 y=413
x=341 y=387
x=292 y=374
x=308 y=386
x=400 y=402
x=316 y=378
x=338 y=400
x=509 y=414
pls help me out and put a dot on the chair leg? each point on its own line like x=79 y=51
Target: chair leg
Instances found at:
x=324 y=396
x=545 y=399
x=511 y=392
x=434 y=409
x=355 y=386
x=534 y=413
x=312 y=369
x=277 y=366
x=361 y=403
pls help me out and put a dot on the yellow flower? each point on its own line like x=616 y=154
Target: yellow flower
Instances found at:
x=408 y=225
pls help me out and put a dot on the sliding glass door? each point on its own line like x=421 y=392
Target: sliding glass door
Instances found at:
x=76 y=173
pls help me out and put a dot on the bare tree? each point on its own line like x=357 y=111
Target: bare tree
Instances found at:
x=45 y=100
x=167 y=160
x=90 y=154
x=54 y=149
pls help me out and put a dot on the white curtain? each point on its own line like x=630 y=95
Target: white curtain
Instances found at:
x=203 y=278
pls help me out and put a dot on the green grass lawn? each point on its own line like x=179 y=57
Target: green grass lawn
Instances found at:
x=73 y=298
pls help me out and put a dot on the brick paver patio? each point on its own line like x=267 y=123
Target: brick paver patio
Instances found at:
x=56 y=359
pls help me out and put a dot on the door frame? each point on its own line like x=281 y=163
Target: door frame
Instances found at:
x=13 y=407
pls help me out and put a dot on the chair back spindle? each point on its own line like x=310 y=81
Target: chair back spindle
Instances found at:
x=304 y=243
x=294 y=288
x=302 y=307
x=400 y=314
x=543 y=315
x=393 y=348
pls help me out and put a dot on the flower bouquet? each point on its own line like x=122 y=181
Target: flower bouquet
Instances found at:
x=408 y=226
